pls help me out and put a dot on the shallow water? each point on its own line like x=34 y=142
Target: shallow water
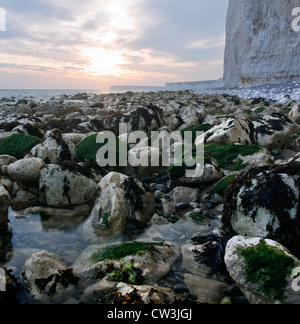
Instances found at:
x=32 y=233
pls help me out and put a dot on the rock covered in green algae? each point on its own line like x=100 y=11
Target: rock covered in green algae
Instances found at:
x=147 y=262
x=263 y=269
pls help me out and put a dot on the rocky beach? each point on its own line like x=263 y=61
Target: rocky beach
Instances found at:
x=75 y=232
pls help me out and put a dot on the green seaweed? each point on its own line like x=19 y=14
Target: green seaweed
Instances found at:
x=105 y=218
x=221 y=187
x=269 y=268
x=226 y=154
x=88 y=148
x=118 y=252
x=198 y=218
x=128 y=274
x=260 y=110
x=18 y=145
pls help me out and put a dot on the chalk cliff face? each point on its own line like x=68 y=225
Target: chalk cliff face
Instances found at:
x=261 y=45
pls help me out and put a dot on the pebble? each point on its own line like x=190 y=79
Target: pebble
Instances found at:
x=182 y=205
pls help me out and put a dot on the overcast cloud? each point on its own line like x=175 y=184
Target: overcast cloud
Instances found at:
x=97 y=43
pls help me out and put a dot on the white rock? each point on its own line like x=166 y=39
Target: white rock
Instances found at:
x=265 y=222
x=54 y=148
x=254 y=292
x=62 y=188
x=112 y=208
x=154 y=264
x=184 y=195
x=233 y=130
x=26 y=170
x=46 y=266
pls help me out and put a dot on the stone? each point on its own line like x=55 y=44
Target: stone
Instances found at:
x=252 y=34
x=26 y=170
x=148 y=293
x=44 y=277
x=295 y=114
x=189 y=262
x=121 y=199
x=274 y=280
x=233 y=130
x=152 y=264
x=273 y=131
x=207 y=291
x=184 y=195
x=4 y=206
x=63 y=188
x=193 y=115
x=264 y=202
x=54 y=149
x=23 y=195
x=6 y=160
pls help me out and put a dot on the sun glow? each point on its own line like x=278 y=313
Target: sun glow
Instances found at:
x=103 y=61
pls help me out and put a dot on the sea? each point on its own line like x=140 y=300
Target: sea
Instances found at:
x=47 y=94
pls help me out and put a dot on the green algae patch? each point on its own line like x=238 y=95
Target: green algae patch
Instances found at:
x=197 y=218
x=88 y=148
x=226 y=154
x=269 y=268
x=222 y=186
x=118 y=252
x=18 y=145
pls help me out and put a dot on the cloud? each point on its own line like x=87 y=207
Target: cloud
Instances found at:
x=138 y=40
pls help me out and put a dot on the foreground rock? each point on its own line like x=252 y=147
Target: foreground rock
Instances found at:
x=48 y=278
x=122 y=199
x=265 y=271
x=63 y=188
x=4 y=205
x=133 y=263
x=264 y=202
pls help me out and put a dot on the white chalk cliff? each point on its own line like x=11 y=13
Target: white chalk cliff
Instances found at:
x=262 y=42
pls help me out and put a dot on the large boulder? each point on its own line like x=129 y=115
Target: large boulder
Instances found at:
x=134 y=263
x=264 y=202
x=4 y=206
x=48 y=278
x=273 y=131
x=233 y=130
x=264 y=270
x=60 y=187
x=259 y=48
x=121 y=199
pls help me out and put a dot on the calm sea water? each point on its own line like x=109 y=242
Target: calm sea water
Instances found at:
x=38 y=95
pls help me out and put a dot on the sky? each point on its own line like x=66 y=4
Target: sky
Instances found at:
x=94 y=44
